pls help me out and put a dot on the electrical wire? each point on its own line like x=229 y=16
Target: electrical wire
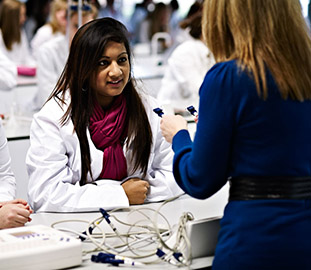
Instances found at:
x=144 y=239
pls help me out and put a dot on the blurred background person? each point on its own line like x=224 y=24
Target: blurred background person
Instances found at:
x=156 y=21
x=52 y=55
x=95 y=3
x=13 y=40
x=8 y=71
x=13 y=212
x=37 y=12
x=175 y=19
x=186 y=68
x=140 y=12
x=112 y=10
x=182 y=33
x=56 y=25
x=8 y=80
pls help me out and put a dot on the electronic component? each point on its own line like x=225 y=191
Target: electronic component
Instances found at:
x=158 y=111
x=192 y=110
x=38 y=247
x=114 y=259
x=203 y=236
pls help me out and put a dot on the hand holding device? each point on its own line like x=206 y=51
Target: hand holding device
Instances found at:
x=171 y=124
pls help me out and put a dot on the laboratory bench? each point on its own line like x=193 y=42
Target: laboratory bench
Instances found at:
x=172 y=211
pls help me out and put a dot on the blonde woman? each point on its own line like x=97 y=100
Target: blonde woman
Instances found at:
x=254 y=130
x=55 y=27
x=52 y=55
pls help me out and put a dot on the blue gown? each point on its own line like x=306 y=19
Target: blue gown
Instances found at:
x=240 y=134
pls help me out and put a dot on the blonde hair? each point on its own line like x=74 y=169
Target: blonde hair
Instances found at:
x=10 y=22
x=262 y=34
x=56 y=6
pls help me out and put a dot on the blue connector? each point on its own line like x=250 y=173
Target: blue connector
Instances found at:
x=177 y=256
x=158 y=111
x=105 y=214
x=106 y=259
x=90 y=231
x=106 y=217
x=192 y=110
x=114 y=259
x=160 y=253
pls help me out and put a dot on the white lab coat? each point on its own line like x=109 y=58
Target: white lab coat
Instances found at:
x=54 y=167
x=51 y=60
x=184 y=74
x=20 y=53
x=44 y=34
x=7 y=180
x=8 y=72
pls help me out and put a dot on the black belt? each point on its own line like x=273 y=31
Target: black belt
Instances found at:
x=257 y=188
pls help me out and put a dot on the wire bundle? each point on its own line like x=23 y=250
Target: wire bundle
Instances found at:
x=143 y=240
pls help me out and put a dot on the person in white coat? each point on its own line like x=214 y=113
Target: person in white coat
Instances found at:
x=97 y=142
x=186 y=69
x=54 y=28
x=8 y=80
x=8 y=71
x=13 y=212
x=52 y=55
x=13 y=40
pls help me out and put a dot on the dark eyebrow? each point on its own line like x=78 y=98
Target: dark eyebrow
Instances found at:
x=107 y=57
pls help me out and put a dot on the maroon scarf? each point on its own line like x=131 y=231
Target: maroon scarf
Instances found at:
x=108 y=129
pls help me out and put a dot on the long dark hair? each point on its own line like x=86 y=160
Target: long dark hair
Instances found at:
x=9 y=22
x=86 y=49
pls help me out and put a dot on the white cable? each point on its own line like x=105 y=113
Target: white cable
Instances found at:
x=135 y=242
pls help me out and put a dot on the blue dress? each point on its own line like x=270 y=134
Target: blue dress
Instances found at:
x=240 y=134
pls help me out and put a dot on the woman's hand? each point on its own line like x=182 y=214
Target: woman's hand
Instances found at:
x=136 y=190
x=14 y=214
x=171 y=124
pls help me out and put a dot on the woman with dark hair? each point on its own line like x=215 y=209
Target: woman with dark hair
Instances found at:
x=13 y=40
x=156 y=21
x=96 y=142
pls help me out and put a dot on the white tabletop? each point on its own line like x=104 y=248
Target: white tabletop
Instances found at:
x=150 y=67
x=17 y=127
x=211 y=207
x=26 y=80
